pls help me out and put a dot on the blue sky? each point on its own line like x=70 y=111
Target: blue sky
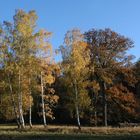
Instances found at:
x=58 y=16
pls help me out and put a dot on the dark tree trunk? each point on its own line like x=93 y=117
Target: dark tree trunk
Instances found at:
x=94 y=105
x=95 y=110
x=30 y=104
x=105 y=104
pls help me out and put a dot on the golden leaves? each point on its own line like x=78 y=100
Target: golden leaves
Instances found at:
x=25 y=22
x=49 y=79
x=95 y=86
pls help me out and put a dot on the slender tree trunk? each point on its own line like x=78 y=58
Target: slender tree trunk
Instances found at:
x=76 y=106
x=43 y=105
x=105 y=104
x=20 y=102
x=94 y=104
x=94 y=110
x=95 y=114
x=1 y=99
x=13 y=102
x=30 y=104
x=95 y=117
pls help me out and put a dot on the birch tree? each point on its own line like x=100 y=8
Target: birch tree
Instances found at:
x=74 y=66
x=45 y=64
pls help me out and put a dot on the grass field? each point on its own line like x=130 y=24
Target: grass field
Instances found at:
x=69 y=133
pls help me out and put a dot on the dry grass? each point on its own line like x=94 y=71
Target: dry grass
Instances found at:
x=55 y=129
x=54 y=132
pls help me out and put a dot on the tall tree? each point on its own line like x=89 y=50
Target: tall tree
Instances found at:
x=46 y=69
x=108 y=54
x=23 y=44
x=74 y=67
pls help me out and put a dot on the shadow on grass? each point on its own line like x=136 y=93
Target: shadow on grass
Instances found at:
x=69 y=137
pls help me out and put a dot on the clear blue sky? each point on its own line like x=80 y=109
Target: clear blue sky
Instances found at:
x=58 y=16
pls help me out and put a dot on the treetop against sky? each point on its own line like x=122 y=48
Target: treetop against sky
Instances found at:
x=58 y=16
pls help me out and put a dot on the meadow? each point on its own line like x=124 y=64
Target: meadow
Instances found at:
x=55 y=132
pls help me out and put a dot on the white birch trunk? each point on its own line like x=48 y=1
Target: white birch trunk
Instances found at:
x=20 y=103
x=42 y=98
x=76 y=106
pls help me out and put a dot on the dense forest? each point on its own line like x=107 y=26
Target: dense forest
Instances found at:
x=96 y=84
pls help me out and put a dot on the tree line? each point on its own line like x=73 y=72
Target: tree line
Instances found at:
x=96 y=83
